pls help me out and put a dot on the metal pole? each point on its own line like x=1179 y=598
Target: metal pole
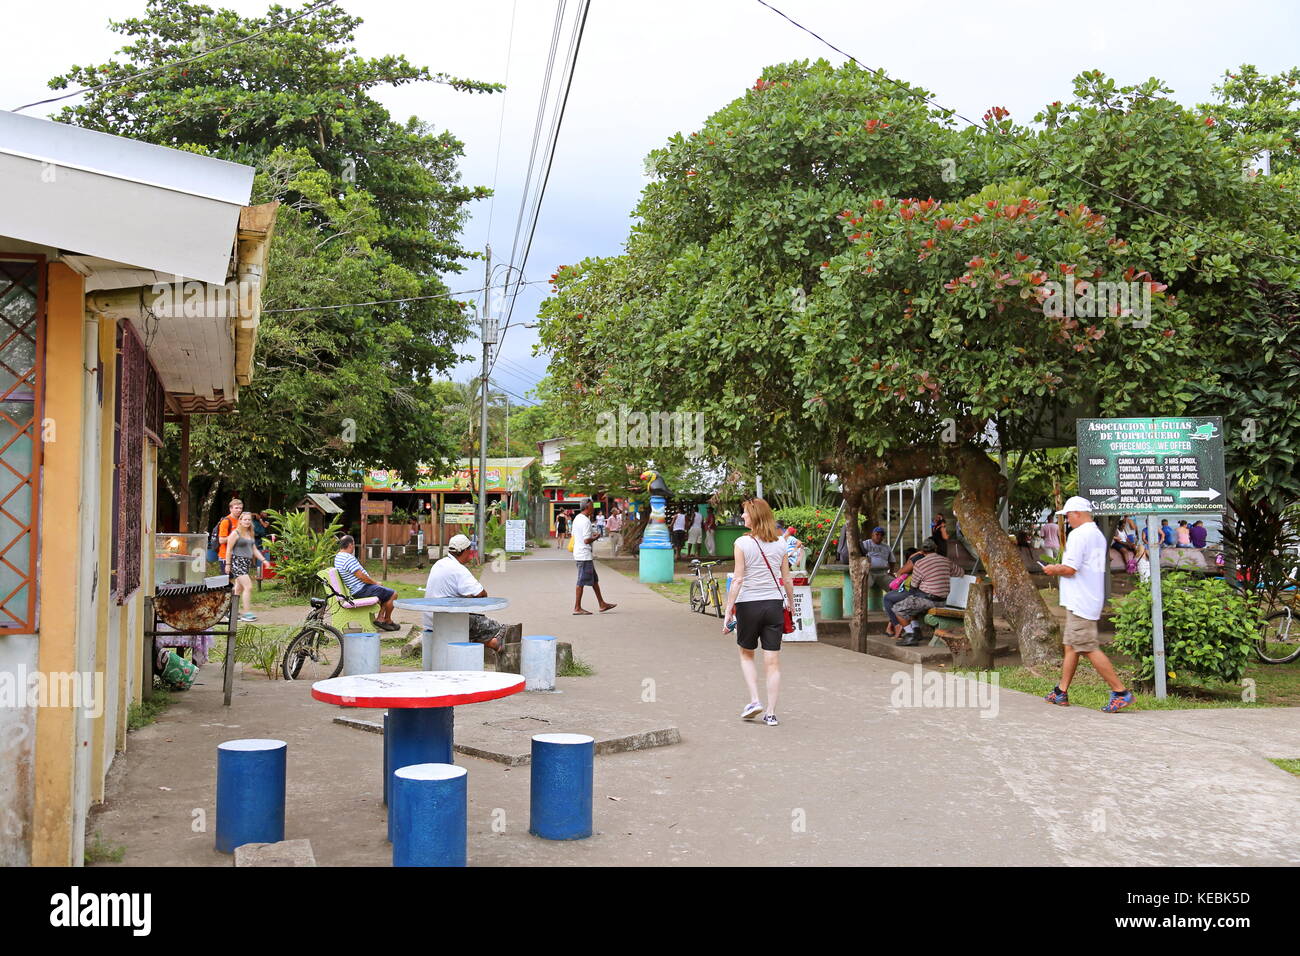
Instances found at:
x=758 y=475
x=1157 y=606
x=481 y=517
x=822 y=553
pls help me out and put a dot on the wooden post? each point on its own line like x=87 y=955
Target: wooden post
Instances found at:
x=979 y=624
x=184 y=488
x=365 y=520
x=384 y=546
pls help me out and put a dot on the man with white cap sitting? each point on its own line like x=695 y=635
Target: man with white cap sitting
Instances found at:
x=450 y=578
x=1083 y=594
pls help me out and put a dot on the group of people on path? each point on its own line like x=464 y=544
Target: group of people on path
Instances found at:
x=239 y=536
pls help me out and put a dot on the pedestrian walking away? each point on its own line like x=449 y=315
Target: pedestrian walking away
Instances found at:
x=584 y=533
x=1083 y=594
x=756 y=603
x=450 y=578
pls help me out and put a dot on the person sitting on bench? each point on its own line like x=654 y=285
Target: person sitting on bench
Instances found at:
x=450 y=578
x=931 y=574
x=362 y=585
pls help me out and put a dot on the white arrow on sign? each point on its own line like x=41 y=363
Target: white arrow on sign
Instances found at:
x=1209 y=494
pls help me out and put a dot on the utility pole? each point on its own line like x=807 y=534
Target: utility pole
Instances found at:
x=488 y=334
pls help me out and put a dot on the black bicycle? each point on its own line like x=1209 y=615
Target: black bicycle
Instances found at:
x=706 y=591
x=316 y=651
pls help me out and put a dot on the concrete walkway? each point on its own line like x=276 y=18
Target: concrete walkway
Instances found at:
x=851 y=776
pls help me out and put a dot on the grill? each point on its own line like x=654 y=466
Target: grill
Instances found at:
x=193 y=616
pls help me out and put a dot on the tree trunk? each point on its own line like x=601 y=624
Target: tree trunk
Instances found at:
x=633 y=533
x=976 y=509
x=858 y=566
x=208 y=499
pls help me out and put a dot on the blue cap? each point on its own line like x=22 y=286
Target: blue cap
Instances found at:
x=874 y=530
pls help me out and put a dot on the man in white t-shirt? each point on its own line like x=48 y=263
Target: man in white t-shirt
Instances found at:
x=1083 y=594
x=450 y=578
x=679 y=534
x=584 y=533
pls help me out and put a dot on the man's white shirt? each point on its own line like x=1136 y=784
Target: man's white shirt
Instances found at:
x=449 y=578
x=1084 y=592
x=581 y=532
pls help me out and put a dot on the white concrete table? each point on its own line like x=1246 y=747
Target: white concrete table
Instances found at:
x=421 y=706
x=450 y=623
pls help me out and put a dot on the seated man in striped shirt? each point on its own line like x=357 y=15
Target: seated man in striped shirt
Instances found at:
x=362 y=585
x=930 y=573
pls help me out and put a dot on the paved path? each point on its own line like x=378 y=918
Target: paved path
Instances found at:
x=849 y=777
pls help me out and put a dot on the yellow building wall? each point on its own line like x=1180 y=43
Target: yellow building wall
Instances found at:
x=55 y=837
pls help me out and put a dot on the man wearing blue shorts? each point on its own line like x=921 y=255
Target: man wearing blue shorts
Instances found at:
x=362 y=585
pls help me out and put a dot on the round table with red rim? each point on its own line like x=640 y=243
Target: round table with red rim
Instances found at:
x=421 y=704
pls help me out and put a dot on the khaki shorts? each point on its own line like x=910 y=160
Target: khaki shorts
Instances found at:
x=1080 y=633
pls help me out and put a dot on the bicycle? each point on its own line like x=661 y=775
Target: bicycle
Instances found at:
x=316 y=651
x=704 y=588
x=1279 y=632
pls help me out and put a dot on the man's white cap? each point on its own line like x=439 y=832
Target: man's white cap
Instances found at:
x=459 y=543
x=1077 y=504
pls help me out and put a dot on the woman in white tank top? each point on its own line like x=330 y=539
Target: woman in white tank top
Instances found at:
x=760 y=589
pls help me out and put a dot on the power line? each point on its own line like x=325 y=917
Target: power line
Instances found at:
x=409 y=298
x=175 y=63
x=1023 y=148
x=576 y=45
x=500 y=388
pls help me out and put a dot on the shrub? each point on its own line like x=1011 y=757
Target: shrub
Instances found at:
x=1210 y=628
x=811 y=525
x=262 y=646
x=300 y=552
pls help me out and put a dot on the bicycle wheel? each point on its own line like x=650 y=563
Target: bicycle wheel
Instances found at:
x=697 y=596
x=715 y=597
x=1279 y=637
x=315 y=653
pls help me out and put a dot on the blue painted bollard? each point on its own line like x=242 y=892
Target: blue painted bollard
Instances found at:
x=561 y=786
x=464 y=656
x=250 y=792
x=415 y=735
x=429 y=815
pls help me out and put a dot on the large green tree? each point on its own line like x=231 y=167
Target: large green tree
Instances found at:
x=786 y=277
x=372 y=210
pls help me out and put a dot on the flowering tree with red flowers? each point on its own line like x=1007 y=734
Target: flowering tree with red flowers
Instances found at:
x=827 y=265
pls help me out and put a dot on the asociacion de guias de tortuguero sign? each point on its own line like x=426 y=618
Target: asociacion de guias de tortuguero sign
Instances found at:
x=1151 y=465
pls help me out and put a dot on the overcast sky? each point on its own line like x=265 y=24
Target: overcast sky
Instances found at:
x=647 y=70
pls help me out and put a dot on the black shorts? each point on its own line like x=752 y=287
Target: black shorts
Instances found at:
x=587 y=574
x=374 y=590
x=760 y=621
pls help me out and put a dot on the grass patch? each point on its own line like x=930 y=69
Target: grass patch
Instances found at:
x=1274 y=686
x=1290 y=765
x=100 y=851
x=146 y=712
x=576 y=668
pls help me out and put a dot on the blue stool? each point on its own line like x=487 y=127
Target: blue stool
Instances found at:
x=415 y=735
x=250 y=792
x=429 y=816
x=561 y=786
x=387 y=740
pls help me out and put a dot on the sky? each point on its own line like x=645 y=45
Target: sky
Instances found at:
x=649 y=70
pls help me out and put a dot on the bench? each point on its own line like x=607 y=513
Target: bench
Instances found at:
x=344 y=608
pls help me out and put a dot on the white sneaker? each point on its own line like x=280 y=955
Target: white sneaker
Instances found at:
x=770 y=720
x=751 y=710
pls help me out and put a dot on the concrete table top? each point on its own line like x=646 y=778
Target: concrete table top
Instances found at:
x=453 y=605
x=417 y=688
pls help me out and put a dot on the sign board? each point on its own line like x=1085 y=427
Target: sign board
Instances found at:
x=376 y=509
x=805 y=625
x=455 y=518
x=1151 y=465
x=516 y=535
x=459 y=508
